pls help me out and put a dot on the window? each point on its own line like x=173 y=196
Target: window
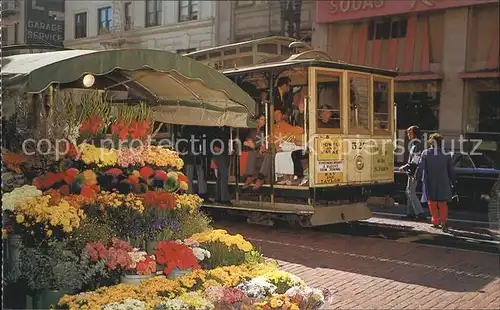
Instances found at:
x=186 y=51
x=81 y=25
x=188 y=10
x=381 y=106
x=153 y=13
x=419 y=108
x=105 y=19
x=387 y=29
x=328 y=101
x=128 y=16
x=16 y=33
x=359 y=103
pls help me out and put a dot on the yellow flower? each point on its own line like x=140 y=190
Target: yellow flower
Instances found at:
x=48 y=233
x=19 y=218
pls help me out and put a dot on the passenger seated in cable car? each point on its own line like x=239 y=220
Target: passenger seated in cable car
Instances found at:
x=328 y=118
x=255 y=145
x=287 y=139
x=298 y=112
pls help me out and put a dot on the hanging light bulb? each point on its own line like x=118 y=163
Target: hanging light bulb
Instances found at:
x=88 y=80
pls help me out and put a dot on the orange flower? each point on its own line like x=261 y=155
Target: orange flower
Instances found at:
x=87 y=191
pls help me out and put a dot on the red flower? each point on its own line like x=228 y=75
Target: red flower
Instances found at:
x=114 y=172
x=70 y=175
x=37 y=182
x=64 y=190
x=133 y=179
x=146 y=172
x=147 y=266
x=162 y=200
x=174 y=255
x=87 y=191
x=93 y=124
x=160 y=175
x=134 y=130
x=120 y=128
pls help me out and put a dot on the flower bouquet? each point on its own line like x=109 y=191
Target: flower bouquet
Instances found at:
x=141 y=267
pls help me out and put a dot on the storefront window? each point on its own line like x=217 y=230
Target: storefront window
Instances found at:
x=489 y=111
x=418 y=108
x=359 y=103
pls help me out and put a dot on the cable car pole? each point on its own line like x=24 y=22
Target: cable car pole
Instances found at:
x=271 y=135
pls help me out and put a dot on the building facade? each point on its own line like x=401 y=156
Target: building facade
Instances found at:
x=256 y=19
x=179 y=26
x=446 y=52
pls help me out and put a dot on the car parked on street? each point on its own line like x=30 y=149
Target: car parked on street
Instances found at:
x=475 y=174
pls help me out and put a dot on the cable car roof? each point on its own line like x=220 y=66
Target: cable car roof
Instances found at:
x=288 y=64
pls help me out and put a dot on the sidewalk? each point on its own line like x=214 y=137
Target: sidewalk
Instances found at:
x=368 y=273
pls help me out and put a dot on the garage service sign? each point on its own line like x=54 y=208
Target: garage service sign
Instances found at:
x=45 y=22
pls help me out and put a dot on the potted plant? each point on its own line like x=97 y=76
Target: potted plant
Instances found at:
x=178 y=259
x=142 y=266
x=54 y=271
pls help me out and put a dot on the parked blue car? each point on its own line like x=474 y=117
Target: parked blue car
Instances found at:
x=476 y=175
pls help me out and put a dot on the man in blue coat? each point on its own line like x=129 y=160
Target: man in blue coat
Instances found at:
x=438 y=177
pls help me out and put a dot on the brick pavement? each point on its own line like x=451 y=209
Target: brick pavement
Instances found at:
x=368 y=273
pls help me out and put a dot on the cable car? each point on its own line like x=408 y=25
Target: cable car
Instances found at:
x=329 y=146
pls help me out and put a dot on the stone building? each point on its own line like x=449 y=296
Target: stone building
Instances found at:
x=256 y=19
x=446 y=52
x=179 y=26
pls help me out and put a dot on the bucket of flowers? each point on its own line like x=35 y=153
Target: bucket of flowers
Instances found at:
x=177 y=258
x=142 y=266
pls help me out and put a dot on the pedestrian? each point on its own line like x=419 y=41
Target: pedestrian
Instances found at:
x=414 y=210
x=220 y=155
x=195 y=159
x=438 y=176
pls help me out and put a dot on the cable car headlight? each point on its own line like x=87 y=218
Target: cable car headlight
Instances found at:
x=360 y=163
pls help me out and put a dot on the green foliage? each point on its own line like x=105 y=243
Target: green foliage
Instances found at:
x=91 y=230
x=222 y=255
x=254 y=257
x=191 y=223
x=58 y=268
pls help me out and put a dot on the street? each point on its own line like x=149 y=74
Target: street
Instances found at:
x=381 y=265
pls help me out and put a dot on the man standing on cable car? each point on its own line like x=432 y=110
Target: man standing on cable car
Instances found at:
x=282 y=100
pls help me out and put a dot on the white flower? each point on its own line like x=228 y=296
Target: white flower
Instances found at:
x=136 y=256
x=200 y=253
x=18 y=195
x=127 y=304
x=258 y=288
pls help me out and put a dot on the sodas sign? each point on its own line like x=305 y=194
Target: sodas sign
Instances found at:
x=345 y=6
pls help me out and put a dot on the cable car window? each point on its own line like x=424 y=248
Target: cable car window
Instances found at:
x=359 y=103
x=328 y=101
x=381 y=106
